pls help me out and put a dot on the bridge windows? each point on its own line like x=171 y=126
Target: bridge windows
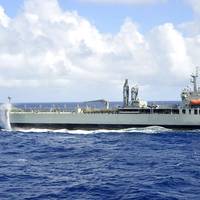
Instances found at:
x=190 y=111
x=183 y=111
x=195 y=112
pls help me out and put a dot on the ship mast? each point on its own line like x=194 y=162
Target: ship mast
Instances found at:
x=194 y=80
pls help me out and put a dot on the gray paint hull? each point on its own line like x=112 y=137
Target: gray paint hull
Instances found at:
x=102 y=120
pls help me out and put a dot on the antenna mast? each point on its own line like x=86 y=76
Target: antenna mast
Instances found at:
x=194 y=79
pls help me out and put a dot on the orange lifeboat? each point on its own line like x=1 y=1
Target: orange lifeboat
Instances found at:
x=195 y=102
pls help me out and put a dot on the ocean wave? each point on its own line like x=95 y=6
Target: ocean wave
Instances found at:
x=57 y=166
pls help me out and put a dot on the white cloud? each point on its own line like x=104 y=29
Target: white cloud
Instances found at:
x=134 y=2
x=4 y=19
x=170 y=51
x=45 y=47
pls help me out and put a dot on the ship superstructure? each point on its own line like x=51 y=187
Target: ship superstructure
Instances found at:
x=191 y=98
x=133 y=113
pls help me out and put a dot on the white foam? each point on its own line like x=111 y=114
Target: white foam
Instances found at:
x=148 y=130
x=5 y=116
x=151 y=130
x=30 y=130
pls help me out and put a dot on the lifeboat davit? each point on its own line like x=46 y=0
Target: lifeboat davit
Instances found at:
x=195 y=102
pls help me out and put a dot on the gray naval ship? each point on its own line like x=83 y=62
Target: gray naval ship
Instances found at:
x=133 y=113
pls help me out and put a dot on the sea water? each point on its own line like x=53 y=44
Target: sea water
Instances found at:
x=137 y=163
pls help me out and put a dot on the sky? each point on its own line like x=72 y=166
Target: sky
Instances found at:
x=79 y=50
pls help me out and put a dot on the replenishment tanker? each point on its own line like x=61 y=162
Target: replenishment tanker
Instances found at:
x=133 y=113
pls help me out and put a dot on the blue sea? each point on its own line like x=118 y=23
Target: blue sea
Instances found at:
x=137 y=163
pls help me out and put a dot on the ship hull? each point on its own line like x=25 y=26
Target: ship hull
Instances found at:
x=102 y=120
